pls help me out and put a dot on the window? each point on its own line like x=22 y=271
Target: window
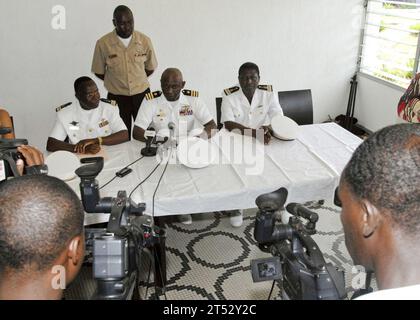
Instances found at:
x=390 y=40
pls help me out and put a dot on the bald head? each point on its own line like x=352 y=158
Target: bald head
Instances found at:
x=172 y=83
x=173 y=73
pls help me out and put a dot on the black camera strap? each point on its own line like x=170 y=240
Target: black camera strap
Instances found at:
x=37 y=169
x=11 y=163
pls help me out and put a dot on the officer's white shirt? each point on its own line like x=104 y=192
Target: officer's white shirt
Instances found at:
x=187 y=113
x=79 y=124
x=236 y=108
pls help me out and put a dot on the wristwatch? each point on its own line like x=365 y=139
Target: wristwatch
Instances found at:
x=37 y=169
x=100 y=140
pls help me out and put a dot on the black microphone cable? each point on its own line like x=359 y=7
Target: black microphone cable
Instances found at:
x=153 y=215
x=126 y=167
x=144 y=180
x=271 y=291
x=160 y=179
x=108 y=182
x=140 y=183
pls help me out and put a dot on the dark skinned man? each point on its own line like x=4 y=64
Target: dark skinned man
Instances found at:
x=173 y=104
x=41 y=237
x=380 y=196
x=87 y=123
x=6 y=122
x=250 y=106
x=247 y=108
x=124 y=58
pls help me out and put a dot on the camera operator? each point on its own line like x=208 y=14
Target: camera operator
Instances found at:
x=29 y=159
x=41 y=237
x=6 y=122
x=380 y=196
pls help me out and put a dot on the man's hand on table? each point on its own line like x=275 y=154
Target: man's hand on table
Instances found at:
x=91 y=146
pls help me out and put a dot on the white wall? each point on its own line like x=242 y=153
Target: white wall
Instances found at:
x=376 y=104
x=298 y=44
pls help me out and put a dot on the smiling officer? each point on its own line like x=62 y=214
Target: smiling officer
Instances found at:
x=88 y=123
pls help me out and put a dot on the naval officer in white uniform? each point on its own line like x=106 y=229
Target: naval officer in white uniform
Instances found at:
x=250 y=105
x=247 y=108
x=173 y=104
x=182 y=107
x=88 y=123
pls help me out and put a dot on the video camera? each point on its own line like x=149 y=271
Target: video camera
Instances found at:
x=9 y=155
x=117 y=250
x=297 y=262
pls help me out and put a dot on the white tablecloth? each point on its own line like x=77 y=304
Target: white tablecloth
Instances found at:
x=309 y=167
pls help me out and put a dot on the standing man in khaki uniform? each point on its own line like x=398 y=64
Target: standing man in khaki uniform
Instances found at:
x=124 y=58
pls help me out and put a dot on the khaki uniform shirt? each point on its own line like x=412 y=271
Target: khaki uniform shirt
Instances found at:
x=188 y=113
x=78 y=124
x=124 y=68
x=236 y=108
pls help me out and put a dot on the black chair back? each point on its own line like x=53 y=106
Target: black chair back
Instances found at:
x=297 y=105
x=219 y=112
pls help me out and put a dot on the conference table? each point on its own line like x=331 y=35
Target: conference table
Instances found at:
x=241 y=168
x=309 y=167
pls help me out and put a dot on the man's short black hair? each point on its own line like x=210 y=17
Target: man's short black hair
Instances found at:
x=120 y=10
x=39 y=215
x=385 y=170
x=249 y=66
x=80 y=83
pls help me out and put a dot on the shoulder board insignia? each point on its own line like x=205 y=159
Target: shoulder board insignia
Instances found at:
x=266 y=87
x=62 y=106
x=191 y=93
x=152 y=95
x=231 y=90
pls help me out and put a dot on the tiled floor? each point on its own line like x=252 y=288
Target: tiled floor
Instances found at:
x=211 y=260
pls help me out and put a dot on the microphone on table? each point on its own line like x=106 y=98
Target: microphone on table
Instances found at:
x=171 y=127
x=168 y=143
x=148 y=150
x=111 y=102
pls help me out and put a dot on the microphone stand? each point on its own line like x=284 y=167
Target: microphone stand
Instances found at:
x=149 y=151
